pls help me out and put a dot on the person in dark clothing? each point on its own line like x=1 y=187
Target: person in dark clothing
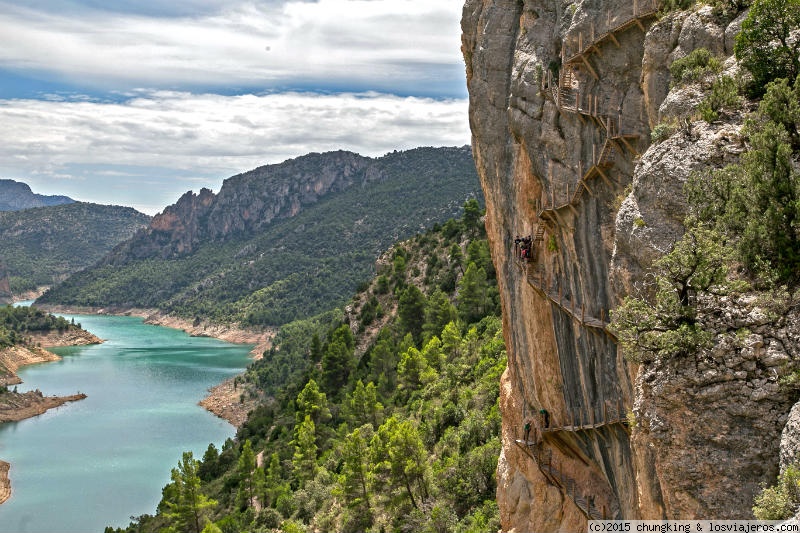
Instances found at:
x=545 y=417
x=527 y=431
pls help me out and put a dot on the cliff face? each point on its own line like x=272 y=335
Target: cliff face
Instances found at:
x=563 y=96
x=246 y=203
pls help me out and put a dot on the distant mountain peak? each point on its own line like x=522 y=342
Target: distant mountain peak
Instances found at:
x=16 y=195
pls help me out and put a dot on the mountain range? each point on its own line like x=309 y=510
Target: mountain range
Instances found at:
x=279 y=242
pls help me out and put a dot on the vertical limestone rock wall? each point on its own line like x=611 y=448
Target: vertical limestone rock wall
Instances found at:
x=563 y=97
x=538 y=138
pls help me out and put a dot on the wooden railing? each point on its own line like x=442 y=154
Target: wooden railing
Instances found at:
x=552 y=470
x=540 y=281
x=574 y=50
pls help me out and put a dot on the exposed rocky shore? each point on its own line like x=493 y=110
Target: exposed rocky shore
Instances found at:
x=226 y=401
x=223 y=400
x=19 y=406
x=262 y=339
x=5 y=483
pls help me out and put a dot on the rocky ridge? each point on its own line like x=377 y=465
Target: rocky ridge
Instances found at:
x=563 y=99
x=15 y=195
x=246 y=203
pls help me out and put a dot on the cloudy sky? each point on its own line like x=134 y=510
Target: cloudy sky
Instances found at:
x=134 y=102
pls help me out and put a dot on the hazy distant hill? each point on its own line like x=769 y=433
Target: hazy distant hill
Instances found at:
x=43 y=245
x=15 y=195
x=279 y=242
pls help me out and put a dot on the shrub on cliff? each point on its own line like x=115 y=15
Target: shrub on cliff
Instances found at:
x=694 y=66
x=782 y=500
x=756 y=204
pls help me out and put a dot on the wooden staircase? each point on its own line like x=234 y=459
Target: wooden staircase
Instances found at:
x=543 y=457
x=567 y=95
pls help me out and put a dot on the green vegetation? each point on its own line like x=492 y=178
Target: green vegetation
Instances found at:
x=675 y=5
x=43 y=245
x=663 y=130
x=291 y=268
x=17 y=323
x=694 y=66
x=780 y=501
x=724 y=95
x=386 y=423
x=764 y=45
x=742 y=234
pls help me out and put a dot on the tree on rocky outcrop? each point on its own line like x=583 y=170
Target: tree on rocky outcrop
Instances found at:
x=663 y=321
x=755 y=205
x=766 y=46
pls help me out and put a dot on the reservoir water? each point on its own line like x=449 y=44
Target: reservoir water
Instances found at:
x=99 y=461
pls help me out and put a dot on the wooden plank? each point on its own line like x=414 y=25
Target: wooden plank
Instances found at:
x=631 y=148
x=589 y=66
x=605 y=178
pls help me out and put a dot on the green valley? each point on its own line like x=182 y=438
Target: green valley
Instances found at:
x=278 y=243
x=381 y=415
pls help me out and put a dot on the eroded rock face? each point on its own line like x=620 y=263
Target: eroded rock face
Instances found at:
x=713 y=422
x=559 y=104
x=246 y=203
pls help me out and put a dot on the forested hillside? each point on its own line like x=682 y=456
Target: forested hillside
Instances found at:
x=380 y=416
x=281 y=242
x=18 y=323
x=41 y=246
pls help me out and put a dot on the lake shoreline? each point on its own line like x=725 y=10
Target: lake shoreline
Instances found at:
x=5 y=482
x=223 y=400
x=262 y=339
x=15 y=406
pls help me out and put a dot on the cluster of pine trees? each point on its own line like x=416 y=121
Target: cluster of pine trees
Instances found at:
x=381 y=416
x=17 y=323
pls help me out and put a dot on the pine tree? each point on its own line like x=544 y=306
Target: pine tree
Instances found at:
x=188 y=505
x=246 y=468
x=304 y=459
x=473 y=297
x=411 y=310
x=354 y=477
x=363 y=406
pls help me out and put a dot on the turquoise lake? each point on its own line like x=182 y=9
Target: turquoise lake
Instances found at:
x=97 y=462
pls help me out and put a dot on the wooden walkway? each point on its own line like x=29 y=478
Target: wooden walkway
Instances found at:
x=536 y=278
x=567 y=95
x=543 y=457
x=641 y=10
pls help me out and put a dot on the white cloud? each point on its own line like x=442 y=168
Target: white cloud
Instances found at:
x=167 y=137
x=351 y=43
